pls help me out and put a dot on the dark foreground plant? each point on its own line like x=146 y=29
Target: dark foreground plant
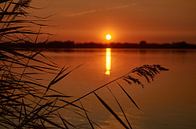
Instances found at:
x=27 y=101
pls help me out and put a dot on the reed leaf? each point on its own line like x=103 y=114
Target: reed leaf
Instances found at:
x=64 y=122
x=4 y=1
x=121 y=108
x=127 y=94
x=87 y=117
x=108 y=108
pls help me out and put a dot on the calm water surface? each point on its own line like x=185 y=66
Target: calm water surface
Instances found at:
x=167 y=103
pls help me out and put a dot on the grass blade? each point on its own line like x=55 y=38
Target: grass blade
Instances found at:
x=111 y=111
x=120 y=107
x=89 y=121
x=132 y=100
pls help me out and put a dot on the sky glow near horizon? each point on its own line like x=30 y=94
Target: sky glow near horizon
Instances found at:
x=128 y=20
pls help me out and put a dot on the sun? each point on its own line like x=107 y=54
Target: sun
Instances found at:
x=108 y=37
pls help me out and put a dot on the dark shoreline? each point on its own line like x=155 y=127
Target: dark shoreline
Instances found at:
x=70 y=45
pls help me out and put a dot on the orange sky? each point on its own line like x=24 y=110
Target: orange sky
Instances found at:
x=127 y=20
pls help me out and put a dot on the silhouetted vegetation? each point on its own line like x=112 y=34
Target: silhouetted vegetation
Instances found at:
x=60 y=45
x=26 y=100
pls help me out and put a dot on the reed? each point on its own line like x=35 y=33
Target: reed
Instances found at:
x=27 y=102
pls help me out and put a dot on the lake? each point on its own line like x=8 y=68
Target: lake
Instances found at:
x=169 y=102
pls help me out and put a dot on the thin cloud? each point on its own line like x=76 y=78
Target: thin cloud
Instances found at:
x=81 y=13
x=118 y=7
x=95 y=11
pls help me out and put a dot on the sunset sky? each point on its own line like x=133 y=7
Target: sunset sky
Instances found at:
x=126 y=20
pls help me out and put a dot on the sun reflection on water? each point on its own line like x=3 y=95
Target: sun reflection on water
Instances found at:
x=108 y=61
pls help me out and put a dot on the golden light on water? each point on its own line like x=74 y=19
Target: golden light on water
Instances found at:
x=108 y=61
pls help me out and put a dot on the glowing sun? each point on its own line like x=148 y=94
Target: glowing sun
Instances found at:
x=108 y=37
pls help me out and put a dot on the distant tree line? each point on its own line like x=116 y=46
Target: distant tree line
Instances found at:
x=71 y=44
